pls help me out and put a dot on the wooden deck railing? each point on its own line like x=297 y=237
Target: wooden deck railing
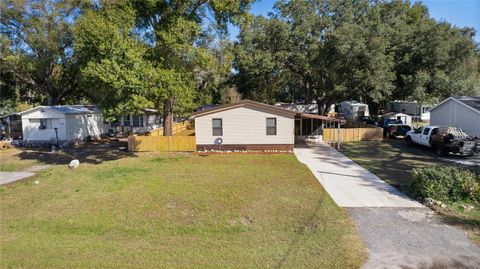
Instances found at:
x=176 y=128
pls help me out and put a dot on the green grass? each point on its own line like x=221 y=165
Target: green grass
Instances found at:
x=394 y=162
x=177 y=211
x=9 y=161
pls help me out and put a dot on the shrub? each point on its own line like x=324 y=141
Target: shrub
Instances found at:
x=445 y=183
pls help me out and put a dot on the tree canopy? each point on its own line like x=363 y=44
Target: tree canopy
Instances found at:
x=172 y=55
x=156 y=53
x=37 y=46
x=372 y=51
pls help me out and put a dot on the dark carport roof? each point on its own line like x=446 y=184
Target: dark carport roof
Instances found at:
x=471 y=101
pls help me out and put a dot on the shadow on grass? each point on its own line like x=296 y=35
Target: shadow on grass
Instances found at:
x=392 y=160
x=93 y=153
x=463 y=220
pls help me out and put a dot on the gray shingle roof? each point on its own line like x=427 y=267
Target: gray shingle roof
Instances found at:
x=471 y=101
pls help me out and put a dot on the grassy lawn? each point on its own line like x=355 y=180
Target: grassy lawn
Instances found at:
x=9 y=161
x=176 y=211
x=394 y=162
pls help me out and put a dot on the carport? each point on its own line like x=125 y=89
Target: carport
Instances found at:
x=311 y=126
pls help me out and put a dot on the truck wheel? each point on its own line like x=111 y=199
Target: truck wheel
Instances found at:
x=409 y=141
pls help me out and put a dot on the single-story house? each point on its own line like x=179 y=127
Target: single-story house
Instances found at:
x=406 y=119
x=249 y=125
x=145 y=121
x=458 y=111
x=46 y=124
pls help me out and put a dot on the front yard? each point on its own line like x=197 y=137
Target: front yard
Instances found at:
x=394 y=161
x=176 y=211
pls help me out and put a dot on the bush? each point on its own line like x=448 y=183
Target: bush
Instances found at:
x=445 y=183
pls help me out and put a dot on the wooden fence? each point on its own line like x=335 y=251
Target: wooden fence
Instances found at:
x=353 y=134
x=176 y=128
x=161 y=143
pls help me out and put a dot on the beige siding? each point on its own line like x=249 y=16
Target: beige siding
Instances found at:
x=454 y=114
x=245 y=126
x=79 y=126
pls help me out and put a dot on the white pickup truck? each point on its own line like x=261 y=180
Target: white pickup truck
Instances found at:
x=421 y=136
x=444 y=140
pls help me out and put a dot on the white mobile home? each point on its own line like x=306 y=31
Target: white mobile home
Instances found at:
x=353 y=110
x=414 y=109
x=459 y=111
x=65 y=123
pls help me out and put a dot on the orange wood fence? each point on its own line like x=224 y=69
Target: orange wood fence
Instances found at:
x=161 y=143
x=353 y=134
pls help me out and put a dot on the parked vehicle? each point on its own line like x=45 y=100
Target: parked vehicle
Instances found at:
x=387 y=122
x=444 y=140
x=387 y=125
x=368 y=120
x=397 y=130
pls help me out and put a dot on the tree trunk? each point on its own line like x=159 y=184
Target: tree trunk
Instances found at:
x=52 y=99
x=168 y=117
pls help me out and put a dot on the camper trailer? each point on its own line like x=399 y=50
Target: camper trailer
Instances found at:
x=353 y=110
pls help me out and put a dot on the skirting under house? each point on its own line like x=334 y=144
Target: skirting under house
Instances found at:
x=246 y=147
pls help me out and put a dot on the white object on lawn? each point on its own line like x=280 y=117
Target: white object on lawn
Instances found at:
x=74 y=164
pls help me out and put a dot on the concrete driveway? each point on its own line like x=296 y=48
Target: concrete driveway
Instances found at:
x=398 y=231
x=349 y=184
x=8 y=177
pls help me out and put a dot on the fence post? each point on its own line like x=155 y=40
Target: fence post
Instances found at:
x=338 y=145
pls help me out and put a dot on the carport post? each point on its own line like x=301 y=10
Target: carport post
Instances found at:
x=338 y=144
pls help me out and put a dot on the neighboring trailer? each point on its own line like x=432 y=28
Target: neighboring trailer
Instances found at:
x=46 y=124
x=414 y=109
x=353 y=110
